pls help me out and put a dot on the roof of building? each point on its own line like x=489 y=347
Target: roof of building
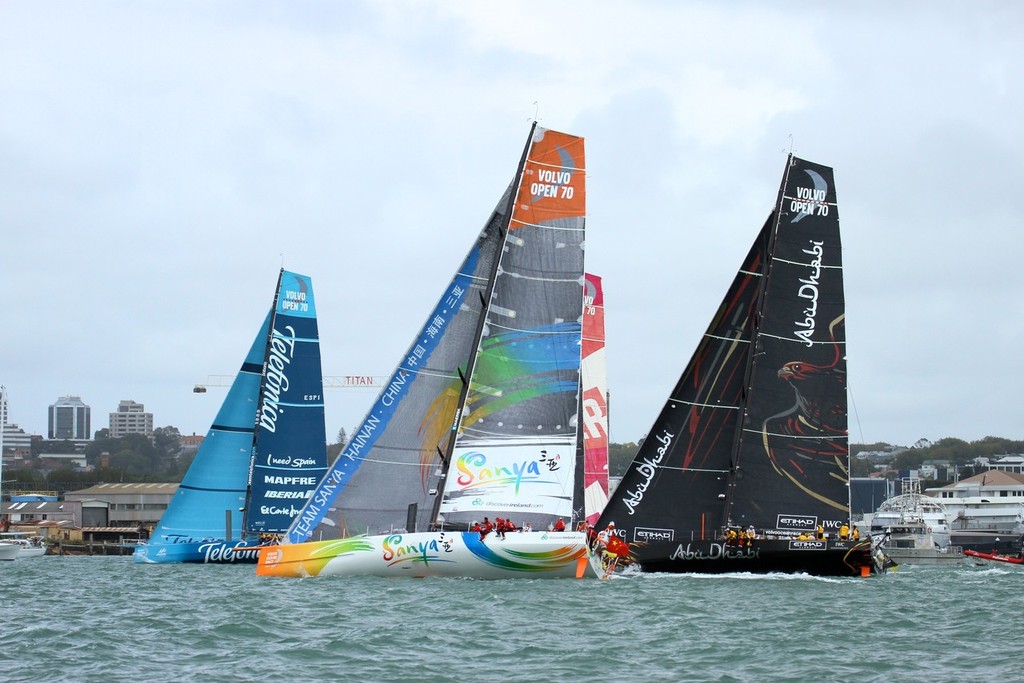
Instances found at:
x=36 y=507
x=989 y=478
x=106 y=489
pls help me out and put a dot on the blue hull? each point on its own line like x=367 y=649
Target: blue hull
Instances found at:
x=206 y=552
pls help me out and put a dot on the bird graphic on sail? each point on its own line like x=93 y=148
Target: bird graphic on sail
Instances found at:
x=809 y=438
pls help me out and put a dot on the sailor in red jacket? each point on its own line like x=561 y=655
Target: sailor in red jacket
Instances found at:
x=486 y=528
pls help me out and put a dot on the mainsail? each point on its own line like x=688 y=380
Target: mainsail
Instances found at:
x=495 y=365
x=265 y=449
x=515 y=449
x=289 y=452
x=754 y=434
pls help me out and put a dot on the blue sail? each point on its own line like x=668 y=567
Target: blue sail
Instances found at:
x=213 y=492
x=289 y=452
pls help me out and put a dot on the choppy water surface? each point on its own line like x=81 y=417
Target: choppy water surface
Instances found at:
x=106 y=619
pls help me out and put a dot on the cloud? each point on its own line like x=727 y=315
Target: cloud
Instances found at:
x=161 y=162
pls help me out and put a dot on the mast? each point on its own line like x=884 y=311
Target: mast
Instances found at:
x=259 y=396
x=467 y=376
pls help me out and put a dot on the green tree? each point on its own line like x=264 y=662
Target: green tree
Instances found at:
x=335 y=449
x=167 y=441
x=620 y=455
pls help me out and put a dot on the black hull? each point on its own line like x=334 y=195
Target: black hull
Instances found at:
x=817 y=558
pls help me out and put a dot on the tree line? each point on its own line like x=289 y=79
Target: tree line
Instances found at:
x=137 y=458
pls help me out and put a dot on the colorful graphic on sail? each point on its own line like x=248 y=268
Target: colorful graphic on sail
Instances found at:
x=521 y=405
x=594 y=408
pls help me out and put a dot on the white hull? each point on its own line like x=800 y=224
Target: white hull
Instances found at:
x=8 y=551
x=27 y=551
x=538 y=554
x=26 y=547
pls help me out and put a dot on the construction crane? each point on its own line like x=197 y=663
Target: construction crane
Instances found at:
x=330 y=382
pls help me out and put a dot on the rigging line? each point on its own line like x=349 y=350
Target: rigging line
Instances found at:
x=378 y=461
x=549 y=165
x=531 y=278
x=823 y=266
x=856 y=416
x=546 y=333
x=802 y=342
x=689 y=469
x=701 y=405
x=731 y=340
x=546 y=227
x=428 y=372
x=475 y=280
x=816 y=437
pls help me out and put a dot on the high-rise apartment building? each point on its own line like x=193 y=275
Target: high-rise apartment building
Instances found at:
x=14 y=437
x=70 y=419
x=130 y=418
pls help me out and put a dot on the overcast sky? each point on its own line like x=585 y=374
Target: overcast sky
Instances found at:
x=159 y=162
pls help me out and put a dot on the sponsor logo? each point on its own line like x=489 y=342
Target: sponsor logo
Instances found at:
x=270 y=510
x=289 y=461
x=807 y=545
x=224 y=552
x=424 y=551
x=474 y=471
x=289 y=495
x=647 y=469
x=714 y=551
x=275 y=381
x=808 y=290
x=272 y=556
x=289 y=481
x=646 y=534
x=796 y=522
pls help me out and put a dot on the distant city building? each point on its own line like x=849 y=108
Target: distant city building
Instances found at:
x=3 y=406
x=1009 y=463
x=16 y=439
x=70 y=419
x=130 y=418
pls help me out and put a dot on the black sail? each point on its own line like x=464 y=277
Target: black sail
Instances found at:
x=792 y=469
x=750 y=451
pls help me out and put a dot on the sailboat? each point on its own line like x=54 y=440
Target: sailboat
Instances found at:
x=481 y=418
x=746 y=468
x=265 y=451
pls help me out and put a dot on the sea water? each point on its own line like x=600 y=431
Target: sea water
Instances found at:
x=107 y=619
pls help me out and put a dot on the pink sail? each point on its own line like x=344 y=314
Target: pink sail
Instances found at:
x=595 y=401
